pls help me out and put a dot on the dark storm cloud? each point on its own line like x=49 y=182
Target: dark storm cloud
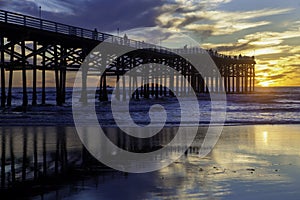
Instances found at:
x=268 y=70
x=179 y=10
x=103 y=14
x=183 y=16
x=19 y=6
x=295 y=65
x=2 y=3
x=184 y=9
x=236 y=47
x=190 y=20
x=278 y=76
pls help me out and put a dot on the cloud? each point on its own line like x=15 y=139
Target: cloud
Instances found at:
x=107 y=16
x=283 y=71
x=224 y=27
x=66 y=7
x=152 y=35
x=204 y=21
x=263 y=43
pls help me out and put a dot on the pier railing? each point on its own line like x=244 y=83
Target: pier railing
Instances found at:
x=46 y=25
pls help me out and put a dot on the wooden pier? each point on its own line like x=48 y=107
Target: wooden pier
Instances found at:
x=30 y=44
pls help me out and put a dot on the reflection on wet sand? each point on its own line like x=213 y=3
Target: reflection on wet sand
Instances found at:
x=257 y=161
x=30 y=153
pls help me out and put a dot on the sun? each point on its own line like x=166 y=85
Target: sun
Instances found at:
x=265 y=84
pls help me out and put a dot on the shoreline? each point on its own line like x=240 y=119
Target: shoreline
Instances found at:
x=226 y=124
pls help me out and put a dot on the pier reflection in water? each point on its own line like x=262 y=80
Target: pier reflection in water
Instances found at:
x=256 y=162
x=30 y=153
x=34 y=153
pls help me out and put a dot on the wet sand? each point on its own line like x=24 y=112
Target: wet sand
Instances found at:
x=248 y=162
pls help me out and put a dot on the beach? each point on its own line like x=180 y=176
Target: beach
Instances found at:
x=256 y=157
x=248 y=162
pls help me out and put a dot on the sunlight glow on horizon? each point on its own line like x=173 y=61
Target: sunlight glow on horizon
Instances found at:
x=264 y=84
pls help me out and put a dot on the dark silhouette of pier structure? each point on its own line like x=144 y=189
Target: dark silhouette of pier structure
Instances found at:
x=33 y=44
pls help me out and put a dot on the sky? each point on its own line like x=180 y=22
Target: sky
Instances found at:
x=266 y=29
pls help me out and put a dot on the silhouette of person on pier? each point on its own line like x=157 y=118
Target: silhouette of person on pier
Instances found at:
x=95 y=34
x=125 y=39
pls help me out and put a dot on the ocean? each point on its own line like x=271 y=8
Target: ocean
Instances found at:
x=269 y=105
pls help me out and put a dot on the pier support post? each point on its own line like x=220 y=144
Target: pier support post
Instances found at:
x=238 y=87
x=184 y=82
x=105 y=95
x=165 y=85
x=207 y=84
x=181 y=82
x=129 y=87
x=9 y=95
x=3 y=95
x=11 y=71
x=34 y=76
x=57 y=78
x=123 y=78
x=147 y=89
x=124 y=87
x=225 y=80
x=133 y=91
x=156 y=87
x=201 y=83
x=233 y=78
x=57 y=83
x=253 y=79
x=171 y=89
x=58 y=86
x=177 y=84
x=217 y=84
x=44 y=79
x=63 y=75
x=137 y=95
x=152 y=86
x=212 y=83
x=228 y=81
x=161 y=85
x=118 y=87
x=194 y=81
x=243 y=78
x=246 y=78
x=24 y=80
x=142 y=86
x=146 y=86
x=189 y=82
x=250 y=79
x=63 y=84
x=83 y=97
